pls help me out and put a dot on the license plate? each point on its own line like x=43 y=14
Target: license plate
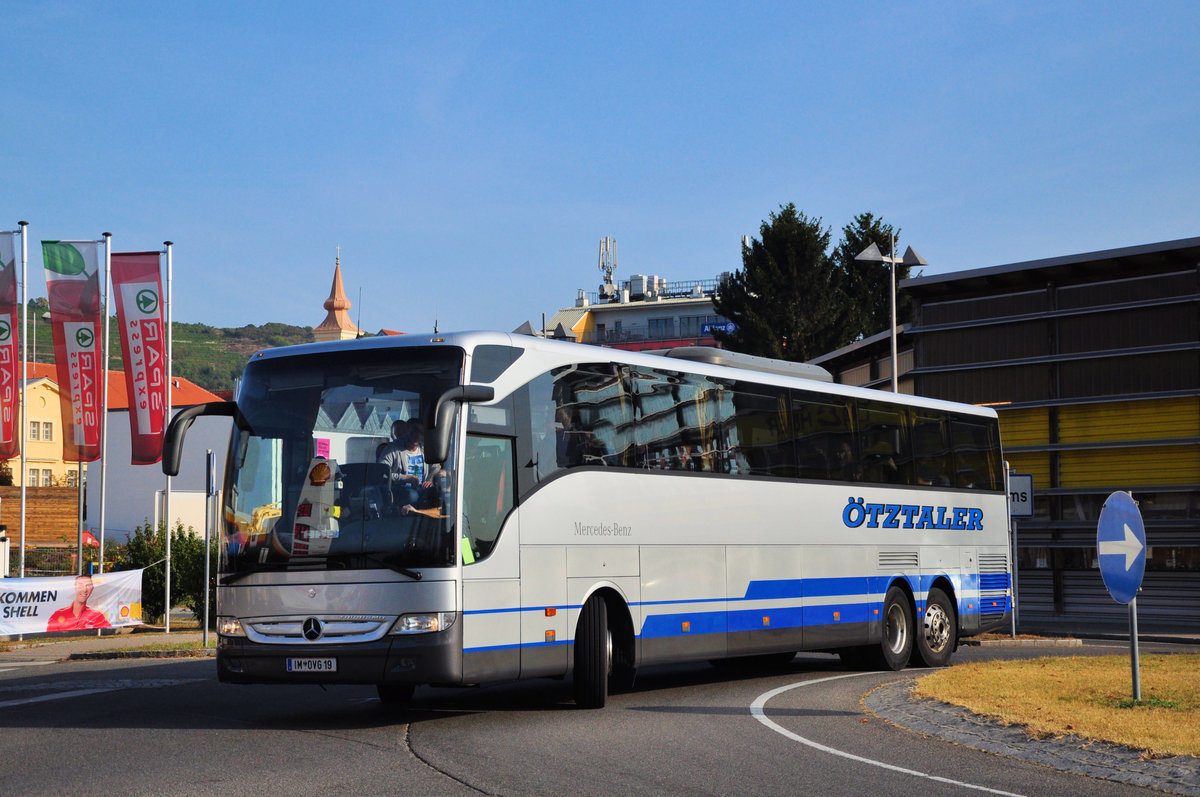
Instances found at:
x=312 y=665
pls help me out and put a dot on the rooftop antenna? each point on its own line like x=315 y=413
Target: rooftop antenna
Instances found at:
x=435 y=320
x=359 y=322
x=607 y=263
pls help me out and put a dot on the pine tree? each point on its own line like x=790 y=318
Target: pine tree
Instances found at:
x=867 y=285
x=785 y=299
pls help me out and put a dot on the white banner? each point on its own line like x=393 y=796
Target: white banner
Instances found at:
x=70 y=603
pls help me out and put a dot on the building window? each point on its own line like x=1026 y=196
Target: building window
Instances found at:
x=71 y=478
x=47 y=478
x=33 y=477
x=47 y=430
x=661 y=328
x=35 y=429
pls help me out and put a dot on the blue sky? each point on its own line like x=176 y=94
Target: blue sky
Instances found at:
x=469 y=157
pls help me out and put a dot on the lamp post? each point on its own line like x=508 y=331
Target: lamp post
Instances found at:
x=911 y=258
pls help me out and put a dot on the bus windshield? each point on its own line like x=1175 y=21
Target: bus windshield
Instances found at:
x=326 y=467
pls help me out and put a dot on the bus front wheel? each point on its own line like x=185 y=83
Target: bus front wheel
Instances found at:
x=593 y=654
x=896 y=647
x=935 y=637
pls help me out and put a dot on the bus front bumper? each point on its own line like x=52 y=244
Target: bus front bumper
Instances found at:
x=415 y=659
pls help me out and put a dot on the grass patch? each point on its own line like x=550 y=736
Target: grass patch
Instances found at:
x=1089 y=697
x=168 y=646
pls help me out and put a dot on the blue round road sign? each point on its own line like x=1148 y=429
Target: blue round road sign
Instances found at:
x=1121 y=547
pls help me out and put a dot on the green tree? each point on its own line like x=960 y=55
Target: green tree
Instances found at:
x=866 y=308
x=786 y=296
x=146 y=548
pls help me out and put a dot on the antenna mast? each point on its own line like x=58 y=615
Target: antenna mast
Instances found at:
x=607 y=263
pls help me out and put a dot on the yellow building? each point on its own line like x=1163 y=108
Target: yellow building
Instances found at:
x=44 y=465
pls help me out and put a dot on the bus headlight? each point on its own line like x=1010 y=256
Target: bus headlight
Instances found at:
x=230 y=626
x=424 y=623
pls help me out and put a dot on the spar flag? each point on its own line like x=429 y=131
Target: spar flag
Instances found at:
x=10 y=366
x=138 y=285
x=73 y=282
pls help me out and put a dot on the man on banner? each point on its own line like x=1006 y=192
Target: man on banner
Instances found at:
x=78 y=616
x=10 y=367
x=73 y=282
x=138 y=286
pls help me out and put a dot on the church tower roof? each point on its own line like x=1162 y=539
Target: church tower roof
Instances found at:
x=337 y=324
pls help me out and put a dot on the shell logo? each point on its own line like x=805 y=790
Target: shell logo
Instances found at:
x=320 y=474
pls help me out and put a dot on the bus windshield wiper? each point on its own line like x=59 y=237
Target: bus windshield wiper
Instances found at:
x=268 y=567
x=299 y=563
x=415 y=575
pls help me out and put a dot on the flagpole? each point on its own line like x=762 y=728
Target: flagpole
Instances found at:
x=24 y=225
x=167 y=507
x=104 y=394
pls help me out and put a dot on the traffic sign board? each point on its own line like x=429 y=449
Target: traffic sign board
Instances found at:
x=1020 y=494
x=1121 y=545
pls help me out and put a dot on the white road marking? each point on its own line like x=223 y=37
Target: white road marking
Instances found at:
x=757 y=709
x=55 y=696
x=13 y=665
x=86 y=688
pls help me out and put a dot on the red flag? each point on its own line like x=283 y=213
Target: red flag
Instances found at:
x=10 y=371
x=138 y=286
x=73 y=282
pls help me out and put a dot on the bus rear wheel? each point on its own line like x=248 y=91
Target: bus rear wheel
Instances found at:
x=935 y=638
x=593 y=655
x=896 y=647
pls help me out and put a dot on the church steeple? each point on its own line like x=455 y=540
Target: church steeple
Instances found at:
x=337 y=324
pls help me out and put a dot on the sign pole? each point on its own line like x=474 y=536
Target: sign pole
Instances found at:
x=210 y=482
x=1133 y=651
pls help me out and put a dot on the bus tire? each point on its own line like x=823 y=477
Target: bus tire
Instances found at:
x=592 y=654
x=896 y=647
x=935 y=637
x=395 y=695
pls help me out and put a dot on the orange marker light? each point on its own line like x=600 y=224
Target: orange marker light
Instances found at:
x=550 y=636
x=766 y=622
x=687 y=627
x=551 y=612
x=837 y=615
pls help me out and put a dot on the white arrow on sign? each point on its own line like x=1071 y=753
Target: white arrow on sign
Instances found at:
x=1129 y=547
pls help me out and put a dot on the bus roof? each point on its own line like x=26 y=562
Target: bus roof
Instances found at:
x=697 y=359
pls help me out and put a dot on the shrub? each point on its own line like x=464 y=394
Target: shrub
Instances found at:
x=146 y=548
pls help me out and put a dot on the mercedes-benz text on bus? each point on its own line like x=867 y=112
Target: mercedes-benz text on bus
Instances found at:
x=476 y=507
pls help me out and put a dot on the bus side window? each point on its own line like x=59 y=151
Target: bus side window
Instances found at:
x=976 y=454
x=488 y=491
x=931 y=448
x=824 y=438
x=884 y=450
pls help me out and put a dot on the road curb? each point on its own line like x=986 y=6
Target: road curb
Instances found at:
x=143 y=654
x=1022 y=643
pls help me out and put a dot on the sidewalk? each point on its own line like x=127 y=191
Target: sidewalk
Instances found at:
x=113 y=645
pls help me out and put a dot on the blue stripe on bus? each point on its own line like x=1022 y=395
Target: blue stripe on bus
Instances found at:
x=856 y=609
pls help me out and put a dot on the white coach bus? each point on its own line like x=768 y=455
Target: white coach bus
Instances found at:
x=587 y=511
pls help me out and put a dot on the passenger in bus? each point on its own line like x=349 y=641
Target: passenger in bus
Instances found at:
x=389 y=454
x=395 y=455
x=417 y=476
x=846 y=465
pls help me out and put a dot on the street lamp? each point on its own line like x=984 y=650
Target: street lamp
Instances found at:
x=911 y=258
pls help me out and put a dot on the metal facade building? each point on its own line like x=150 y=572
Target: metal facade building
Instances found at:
x=1093 y=364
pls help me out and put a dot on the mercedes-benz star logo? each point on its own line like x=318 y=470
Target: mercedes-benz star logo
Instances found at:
x=313 y=629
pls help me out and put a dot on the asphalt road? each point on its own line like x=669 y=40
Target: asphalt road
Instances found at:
x=168 y=727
